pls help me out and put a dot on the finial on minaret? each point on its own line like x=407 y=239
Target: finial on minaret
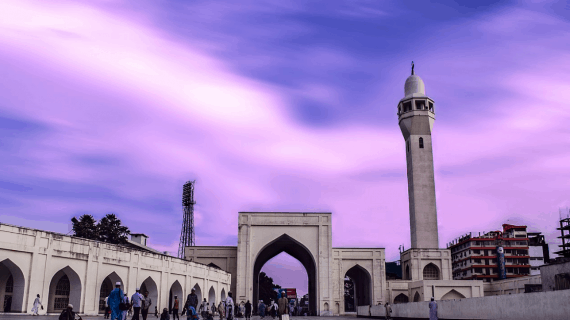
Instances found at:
x=412 y=68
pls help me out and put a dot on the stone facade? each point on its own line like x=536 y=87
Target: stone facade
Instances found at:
x=65 y=269
x=308 y=238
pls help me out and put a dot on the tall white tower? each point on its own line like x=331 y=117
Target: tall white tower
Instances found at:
x=416 y=116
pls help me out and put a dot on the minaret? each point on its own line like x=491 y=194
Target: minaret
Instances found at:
x=416 y=116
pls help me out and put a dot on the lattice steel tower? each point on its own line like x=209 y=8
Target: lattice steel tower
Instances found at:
x=187 y=236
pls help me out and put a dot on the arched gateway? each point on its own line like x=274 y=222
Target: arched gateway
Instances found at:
x=308 y=238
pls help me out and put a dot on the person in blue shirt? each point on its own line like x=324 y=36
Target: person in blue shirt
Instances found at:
x=115 y=298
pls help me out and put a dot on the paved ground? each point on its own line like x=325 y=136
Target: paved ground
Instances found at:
x=54 y=317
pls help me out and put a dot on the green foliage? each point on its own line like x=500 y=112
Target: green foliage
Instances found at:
x=266 y=285
x=85 y=227
x=109 y=229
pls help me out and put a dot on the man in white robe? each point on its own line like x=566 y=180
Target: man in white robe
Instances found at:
x=37 y=304
x=229 y=307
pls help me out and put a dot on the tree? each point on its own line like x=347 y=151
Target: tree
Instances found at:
x=85 y=227
x=111 y=230
x=266 y=285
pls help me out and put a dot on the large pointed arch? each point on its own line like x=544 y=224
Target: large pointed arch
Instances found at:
x=297 y=250
x=12 y=286
x=106 y=286
x=223 y=294
x=362 y=285
x=212 y=295
x=64 y=288
x=149 y=285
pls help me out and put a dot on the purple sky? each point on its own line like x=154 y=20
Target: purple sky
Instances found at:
x=110 y=106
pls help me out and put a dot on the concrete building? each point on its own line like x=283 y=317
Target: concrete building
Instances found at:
x=538 y=252
x=64 y=269
x=477 y=257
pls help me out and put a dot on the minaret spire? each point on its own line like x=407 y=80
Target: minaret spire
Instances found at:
x=412 y=68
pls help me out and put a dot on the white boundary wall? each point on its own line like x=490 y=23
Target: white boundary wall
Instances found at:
x=553 y=305
x=37 y=259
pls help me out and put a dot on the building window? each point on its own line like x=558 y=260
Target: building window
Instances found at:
x=62 y=293
x=407 y=106
x=422 y=143
x=431 y=272
x=420 y=105
x=431 y=106
x=408 y=146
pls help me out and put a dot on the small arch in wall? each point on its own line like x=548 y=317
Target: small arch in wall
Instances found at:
x=452 y=294
x=212 y=295
x=401 y=298
x=417 y=297
x=223 y=295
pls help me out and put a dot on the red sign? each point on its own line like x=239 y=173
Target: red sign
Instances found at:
x=291 y=293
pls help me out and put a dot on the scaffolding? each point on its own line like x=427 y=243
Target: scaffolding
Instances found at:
x=187 y=236
x=564 y=233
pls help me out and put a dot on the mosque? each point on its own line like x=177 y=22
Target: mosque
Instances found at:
x=65 y=269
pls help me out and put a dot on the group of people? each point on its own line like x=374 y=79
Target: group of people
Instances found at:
x=118 y=304
x=274 y=309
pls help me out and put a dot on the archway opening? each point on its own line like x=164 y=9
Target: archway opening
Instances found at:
x=284 y=271
x=11 y=286
x=401 y=298
x=149 y=285
x=107 y=286
x=408 y=277
x=175 y=293
x=357 y=288
x=212 y=296
x=295 y=249
x=64 y=288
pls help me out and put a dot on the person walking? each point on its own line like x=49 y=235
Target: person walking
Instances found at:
x=146 y=303
x=156 y=311
x=175 y=307
x=107 y=309
x=203 y=309
x=114 y=300
x=37 y=304
x=221 y=310
x=388 y=311
x=282 y=304
x=191 y=300
x=229 y=306
x=136 y=301
x=433 y=309
x=261 y=309
x=213 y=308
x=127 y=306
x=247 y=310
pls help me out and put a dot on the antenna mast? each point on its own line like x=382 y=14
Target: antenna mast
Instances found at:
x=187 y=236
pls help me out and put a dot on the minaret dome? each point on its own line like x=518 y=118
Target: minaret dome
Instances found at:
x=414 y=87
